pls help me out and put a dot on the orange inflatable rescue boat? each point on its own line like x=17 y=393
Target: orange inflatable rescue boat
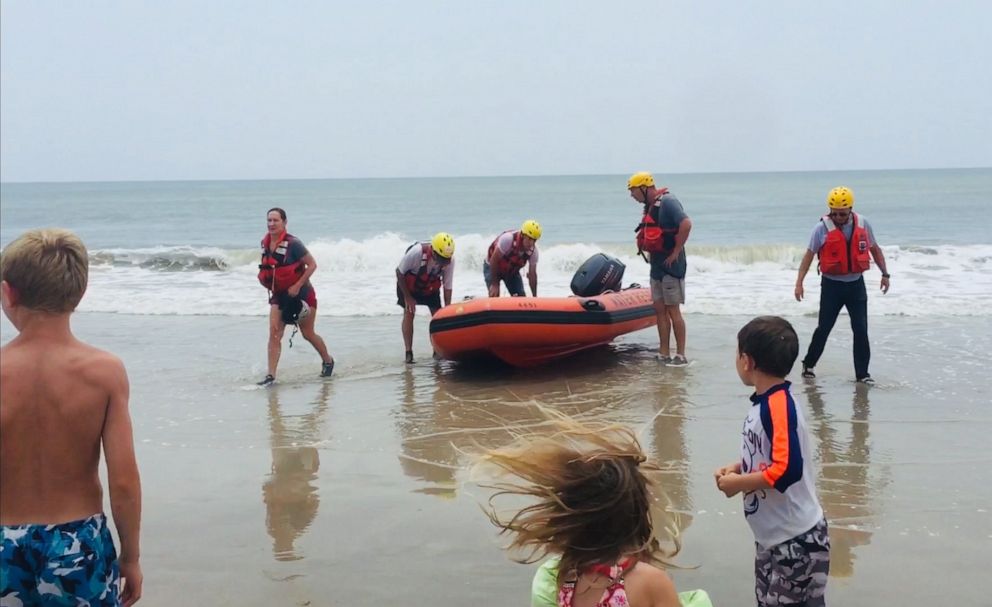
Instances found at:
x=529 y=331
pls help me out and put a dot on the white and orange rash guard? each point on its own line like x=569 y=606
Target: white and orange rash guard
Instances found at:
x=775 y=442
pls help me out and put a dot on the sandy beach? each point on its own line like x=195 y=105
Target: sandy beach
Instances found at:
x=354 y=490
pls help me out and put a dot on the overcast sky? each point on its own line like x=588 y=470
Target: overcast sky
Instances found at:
x=256 y=90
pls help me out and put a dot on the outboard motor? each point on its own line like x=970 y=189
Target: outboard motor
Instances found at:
x=599 y=274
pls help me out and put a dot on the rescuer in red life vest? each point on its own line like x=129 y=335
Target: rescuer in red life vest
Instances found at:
x=507 y=255
x=662 y=233
x=425 y=269
x=844 y=242
x=285 y=270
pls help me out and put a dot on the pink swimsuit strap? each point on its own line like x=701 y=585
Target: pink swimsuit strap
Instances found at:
x=614 y=596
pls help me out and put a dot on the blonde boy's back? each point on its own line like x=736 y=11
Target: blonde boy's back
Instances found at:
x=55 y=399
x=61 y=400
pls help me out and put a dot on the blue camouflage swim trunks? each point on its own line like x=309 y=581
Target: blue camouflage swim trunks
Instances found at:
x=66 y=564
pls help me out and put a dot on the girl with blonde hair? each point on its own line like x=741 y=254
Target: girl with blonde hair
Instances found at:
x=594 y=505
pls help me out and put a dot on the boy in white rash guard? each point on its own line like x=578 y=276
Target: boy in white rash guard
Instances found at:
x=775 y=473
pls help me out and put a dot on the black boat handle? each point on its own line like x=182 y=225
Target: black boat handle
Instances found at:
x=593 y=305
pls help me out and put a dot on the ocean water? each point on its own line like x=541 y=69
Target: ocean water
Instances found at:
x=190 y=248
x=355 y=489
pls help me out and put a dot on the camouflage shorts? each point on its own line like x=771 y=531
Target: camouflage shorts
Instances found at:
x=66 y=564
x=794 y=572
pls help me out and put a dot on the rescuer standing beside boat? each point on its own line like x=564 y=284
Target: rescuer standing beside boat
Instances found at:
x=662 y=233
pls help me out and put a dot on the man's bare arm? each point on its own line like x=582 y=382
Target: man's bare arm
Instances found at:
x=803 y=268
x=879 y=257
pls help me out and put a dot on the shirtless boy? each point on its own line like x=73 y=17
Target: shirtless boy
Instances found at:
x=60 y=401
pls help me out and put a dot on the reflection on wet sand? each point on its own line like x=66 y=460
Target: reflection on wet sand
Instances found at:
x=291 y=499
x=846 y=489
x=442 y=414
x=426 y=455
x=446 y=411
x=669 y=445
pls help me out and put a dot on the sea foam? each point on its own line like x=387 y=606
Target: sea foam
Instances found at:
x=357 y=278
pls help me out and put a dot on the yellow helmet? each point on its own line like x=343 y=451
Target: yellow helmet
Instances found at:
x=640 y=180
x=840 y=198
x=443 y=244
x=531 y=229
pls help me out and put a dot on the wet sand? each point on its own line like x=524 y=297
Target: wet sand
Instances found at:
x=353 y=491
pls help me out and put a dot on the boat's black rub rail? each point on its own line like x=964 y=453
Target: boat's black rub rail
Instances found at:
x=536 y=317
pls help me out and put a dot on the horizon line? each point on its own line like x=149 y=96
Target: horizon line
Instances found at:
x=516 y=176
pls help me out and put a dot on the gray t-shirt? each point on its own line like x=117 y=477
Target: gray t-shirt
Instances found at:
x=671 y=213
x=411 y=263
x=819 y=237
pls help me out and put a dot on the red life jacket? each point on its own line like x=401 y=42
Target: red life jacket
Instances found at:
x=422 y=282
x=651 y=237
x=511 y=262
x=273 y=272
x=841 y=256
